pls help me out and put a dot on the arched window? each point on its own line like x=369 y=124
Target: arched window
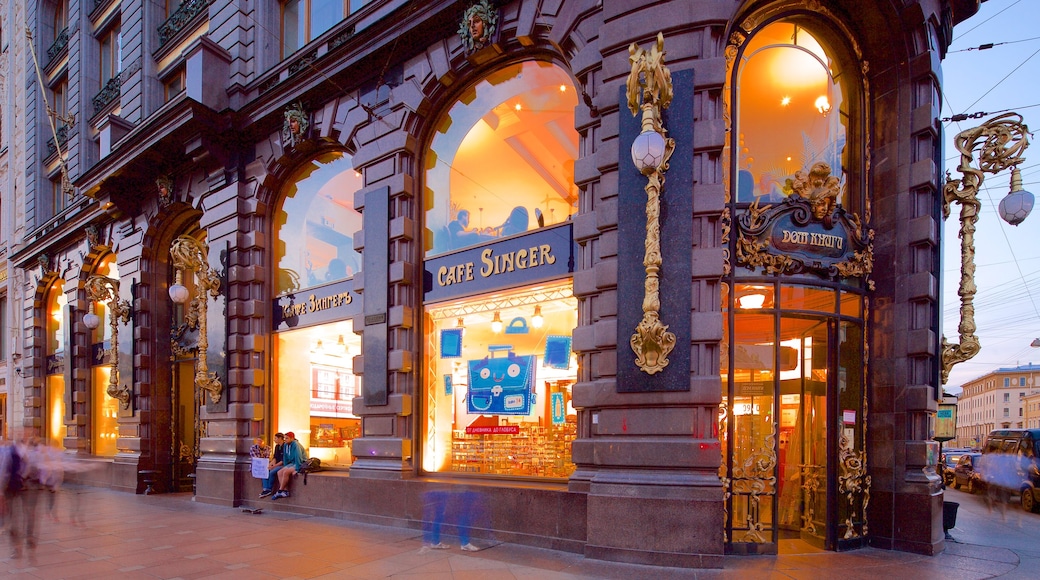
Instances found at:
x=55 y=341
x=499 y=313
x=104 y=408
x=796 y=107
x=315 y=384
x=315 y=224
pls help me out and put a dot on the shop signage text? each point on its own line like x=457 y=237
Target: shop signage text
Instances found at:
x=316 y=304
x=328 y=303
x=495 y=430
x=492 y=264
x=535 y=256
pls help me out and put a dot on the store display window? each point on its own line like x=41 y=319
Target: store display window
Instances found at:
x=499 y=377
x=498 y=305
x=316 y=389
x=315 y=343
x=104 y=407
x=55 y=364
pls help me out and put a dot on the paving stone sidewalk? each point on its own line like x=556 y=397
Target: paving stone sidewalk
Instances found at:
x=105 y=534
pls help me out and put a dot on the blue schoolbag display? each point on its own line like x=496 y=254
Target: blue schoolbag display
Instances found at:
x=501 y=386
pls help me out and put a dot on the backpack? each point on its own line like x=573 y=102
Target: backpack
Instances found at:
x=310 y=466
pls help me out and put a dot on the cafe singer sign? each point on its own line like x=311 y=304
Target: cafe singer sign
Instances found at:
x=798 y=236
x=535 y=256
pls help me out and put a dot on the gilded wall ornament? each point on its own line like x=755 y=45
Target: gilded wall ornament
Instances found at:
x=294 y=128
x=808 y=232
x=478 y=26
x=853 y=481
x=1001 y=142
x=105 y=289
x=649 y=89
x=193 y=256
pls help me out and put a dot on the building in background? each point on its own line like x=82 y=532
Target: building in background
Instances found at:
x=413 y=234
x=996 y=400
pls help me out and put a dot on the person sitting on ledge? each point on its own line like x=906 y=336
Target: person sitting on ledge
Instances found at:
x=293 y=458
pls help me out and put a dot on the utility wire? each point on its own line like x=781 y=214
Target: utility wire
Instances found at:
x=990 y=45
x=965 y=33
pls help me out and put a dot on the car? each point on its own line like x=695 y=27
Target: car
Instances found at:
x=1022 y=446
x=948 y=460
x=967 y=474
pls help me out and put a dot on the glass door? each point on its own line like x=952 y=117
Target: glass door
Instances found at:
x=792 y=425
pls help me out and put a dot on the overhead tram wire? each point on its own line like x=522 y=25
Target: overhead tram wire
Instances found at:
x=990 y=45
x=1006 y=8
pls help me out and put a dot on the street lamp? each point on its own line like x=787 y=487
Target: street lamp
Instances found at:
x=105 y=289
x=649 y=89
x=192 y=255
x=1001 y=142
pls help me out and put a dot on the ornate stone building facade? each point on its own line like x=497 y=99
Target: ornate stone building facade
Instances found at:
x=413 y=234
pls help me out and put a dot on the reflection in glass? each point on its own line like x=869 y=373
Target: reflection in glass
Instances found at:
x=791 y=113
x=315 y=225
x=502 y=161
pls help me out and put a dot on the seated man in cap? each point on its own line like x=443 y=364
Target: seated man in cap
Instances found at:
x=293 y=458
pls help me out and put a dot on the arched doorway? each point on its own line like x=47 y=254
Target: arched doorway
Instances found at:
x=794 y=358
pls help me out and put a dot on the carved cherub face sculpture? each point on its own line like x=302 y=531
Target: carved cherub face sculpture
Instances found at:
x=476 y=28
x=819 y=187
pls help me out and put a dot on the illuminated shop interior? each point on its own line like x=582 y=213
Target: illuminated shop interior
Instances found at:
x=315 y=387
x=791 y=113
x=502 y=162
x=510 y=414
x=55 y=367
x=105 y=408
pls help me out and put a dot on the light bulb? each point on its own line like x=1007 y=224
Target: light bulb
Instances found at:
x=537 y=321
x=496 y=323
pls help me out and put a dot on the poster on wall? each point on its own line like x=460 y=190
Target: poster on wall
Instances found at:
x=501 y=386
x=332 y=392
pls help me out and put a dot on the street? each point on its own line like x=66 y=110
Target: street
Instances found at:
x=101 y=533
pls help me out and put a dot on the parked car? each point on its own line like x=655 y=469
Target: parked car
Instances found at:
x=1023 y=445
x=967 y=474
x=948 y=460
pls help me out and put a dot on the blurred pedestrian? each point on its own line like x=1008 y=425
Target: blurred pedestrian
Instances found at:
x=20 y=478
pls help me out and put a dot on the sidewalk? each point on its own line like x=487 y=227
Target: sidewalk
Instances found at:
x=168 y=536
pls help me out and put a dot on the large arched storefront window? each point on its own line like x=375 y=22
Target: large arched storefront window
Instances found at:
x=57 y=328
x=315 y=343
x=104 y=407
x=499 y=309
x=793 y=364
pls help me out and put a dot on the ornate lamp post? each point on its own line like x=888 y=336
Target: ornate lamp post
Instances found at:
x=649 y=89
x=193 y=255
x=105 y=289
x=1002 y=140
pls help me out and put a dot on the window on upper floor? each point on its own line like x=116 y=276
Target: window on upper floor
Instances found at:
x=1007 y=397
x=61 y=16
x=305 y=20
x=1021 y=381
x=111 y=53
x=1007 y=382
x=173 y=84
x=59 y=200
